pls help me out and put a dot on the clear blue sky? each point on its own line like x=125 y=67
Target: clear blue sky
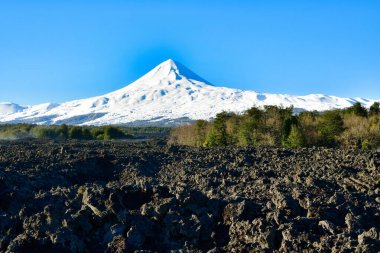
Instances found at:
x=62 y=50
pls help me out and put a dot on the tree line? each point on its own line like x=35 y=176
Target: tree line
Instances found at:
x=65 y=132
x=353 y=127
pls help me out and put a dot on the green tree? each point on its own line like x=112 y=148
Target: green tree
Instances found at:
x=374 y=109
x=212 y=139
x=97 y=133
x=111 y=133
x=63 y=132
x=76 y=133
x=232 y=128
x=295 y=138
x=330 y=127
x=218 y=134
x=245 y=133
x=277 y=123
x=357 y=109
x=86 y=134
x=254 y=113
x=248 y=129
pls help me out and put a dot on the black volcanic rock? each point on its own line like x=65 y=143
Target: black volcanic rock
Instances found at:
x=149 y=197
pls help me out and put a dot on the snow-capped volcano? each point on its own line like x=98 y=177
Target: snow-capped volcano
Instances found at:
x=168 y=94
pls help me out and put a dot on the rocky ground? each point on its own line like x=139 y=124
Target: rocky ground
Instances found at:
x=150 y=197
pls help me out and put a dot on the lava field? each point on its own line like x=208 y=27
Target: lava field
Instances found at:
x=153 y=197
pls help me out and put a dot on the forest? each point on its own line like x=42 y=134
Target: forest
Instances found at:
x=354 y=127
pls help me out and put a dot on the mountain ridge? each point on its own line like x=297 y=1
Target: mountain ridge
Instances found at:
x=169 y=94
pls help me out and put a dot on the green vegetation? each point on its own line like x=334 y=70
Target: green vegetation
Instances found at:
x=295 y=138
x=64 y=132
x=218 y=135
x=330 y=127
x=374 y=109
x=353 y=127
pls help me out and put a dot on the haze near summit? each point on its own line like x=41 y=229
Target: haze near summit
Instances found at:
x=56 y=52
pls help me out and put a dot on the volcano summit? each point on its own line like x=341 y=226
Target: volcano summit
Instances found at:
x=169 y=94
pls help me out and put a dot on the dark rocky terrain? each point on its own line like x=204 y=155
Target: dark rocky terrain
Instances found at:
x=150 y=197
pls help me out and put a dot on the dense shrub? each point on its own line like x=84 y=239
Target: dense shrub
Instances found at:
x=308 y=124
x=111 y=133
x=200 y=132
x=356 y=134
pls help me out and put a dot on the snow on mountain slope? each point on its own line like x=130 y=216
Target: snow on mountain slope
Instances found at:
x=167 y=93
x=9 y=108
